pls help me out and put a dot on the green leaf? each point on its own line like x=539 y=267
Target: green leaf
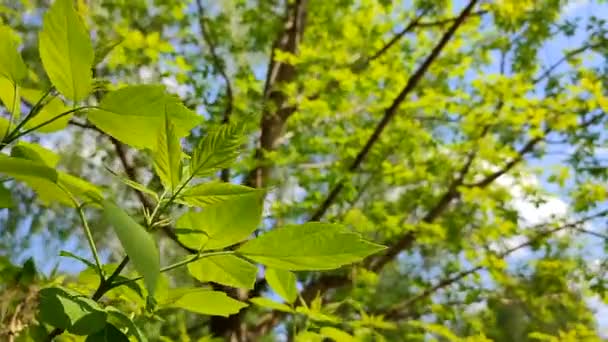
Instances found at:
x=9 y=96
x=317 y=315
x=6 y=199
x=216 y=150
x=204 y=301
x=204 y=194
x=12 y=66
x=50 y=192
x=283 y=283
x=134 y=185
x=309 y=336
x=167 y=156
x=220 y=225
x=135 y=115
x=270 y=304
x=336 y=334
x=137 y=243
x=35 y=152
x=66 y=51
x=3 y=127
x=51 y=109
x=79 y=258
x=120 y=319
x=20 y=168
x=103 y=48
x=70 y=310
x=311 y=246
x=108 y=334
x=224 y=269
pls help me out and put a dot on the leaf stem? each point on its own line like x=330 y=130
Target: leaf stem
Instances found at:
x=177 y=265
x=87 y=231
x=16 y=135
x=33 y=111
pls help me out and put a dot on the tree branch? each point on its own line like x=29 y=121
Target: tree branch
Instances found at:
x=391 y=111
x=397 y=310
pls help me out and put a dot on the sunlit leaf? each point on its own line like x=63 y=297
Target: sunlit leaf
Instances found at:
x=137 y=243
x=205 y=194
x=135 y=115
x=167 y=156
x=66 y=51
x=220 y=225
x=227 y=270
x=311 y=246
x=283 y=283
x=204 y=301
x=270 y=304
x=12 y=66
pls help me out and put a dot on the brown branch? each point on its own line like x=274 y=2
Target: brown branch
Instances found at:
x=275 y=109
x=411 y=26
x=219 y=66
x=396 y=311
x=391 y=111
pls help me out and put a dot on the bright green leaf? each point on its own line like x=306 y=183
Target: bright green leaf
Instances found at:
x=309 y=336
x=6 y=199
x=217 y=149
x=9 y=96
x=3 y=128
x=79 y=258
x=167 y=156
x=109 y=334
x=12 y=66
x=204 y=301
x=20 y=168
x=66 y=51
x=35 y=152
x=137 y=243
x=222 y=224
x=205 y=194
x=311 y=246
x=227 y=270
x=283 y=283
x=69 y=310
x=270 y=304
x=336 y=334
x=135 y=115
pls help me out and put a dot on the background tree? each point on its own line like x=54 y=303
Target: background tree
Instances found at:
x=465 y=136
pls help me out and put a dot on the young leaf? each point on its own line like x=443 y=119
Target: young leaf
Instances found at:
x=69 y=310
x=205 y=194
x=311 y=246
x=12 y=66
x=283 y=283
x=205 y=302
x=6 y=199
x=66 y=51
x=216 y=150
x=20 y=168
x=137 y=243
x=79 y=258
x=227 y=270
x=50 y=192
x=222 y=224
x=336 y=334
x=9 y=96
x=36 y=153
x=134 y=185
x=4 y=126
x=108 y=334
x=270 y=304
x=167 y=156
x=135 y=114
x=103 y=48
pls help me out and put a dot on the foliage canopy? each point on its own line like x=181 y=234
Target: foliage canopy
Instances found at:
x=303 y=170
